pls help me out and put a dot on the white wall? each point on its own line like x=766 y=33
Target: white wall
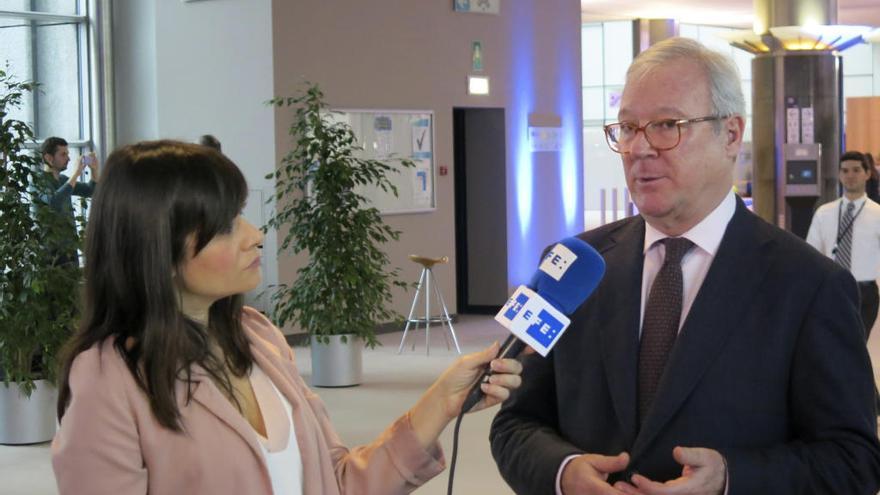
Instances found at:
x=183 y=69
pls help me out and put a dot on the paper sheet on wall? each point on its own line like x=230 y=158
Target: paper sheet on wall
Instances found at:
x=807 y=131
x=422 y=187
x=384 y=143
x=421 y=137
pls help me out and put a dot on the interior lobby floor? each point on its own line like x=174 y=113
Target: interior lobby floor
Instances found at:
x=392 y=384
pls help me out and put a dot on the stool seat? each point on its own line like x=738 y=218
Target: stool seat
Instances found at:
x=430 y=291
x=428 y=262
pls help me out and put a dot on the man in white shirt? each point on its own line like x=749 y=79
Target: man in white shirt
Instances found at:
x=719 y=354
x=848 y=231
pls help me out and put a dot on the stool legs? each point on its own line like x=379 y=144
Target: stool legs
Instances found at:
x=448 y=320
x=425 y=281
x=409 y=318
x=428 y=313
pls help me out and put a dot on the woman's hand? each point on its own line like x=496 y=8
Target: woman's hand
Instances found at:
x=442 y=402
x=455 y=383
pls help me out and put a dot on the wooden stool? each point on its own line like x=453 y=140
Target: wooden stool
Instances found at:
x=425 y=281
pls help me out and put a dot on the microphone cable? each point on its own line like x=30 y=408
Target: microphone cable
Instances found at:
x=512 y=346
x=454 y=451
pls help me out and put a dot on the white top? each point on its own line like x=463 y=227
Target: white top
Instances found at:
x=865 y=254
x=280 y=449
x=706 y=237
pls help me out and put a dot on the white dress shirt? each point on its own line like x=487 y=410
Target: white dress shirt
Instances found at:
x=706 y=237
x=865 y=254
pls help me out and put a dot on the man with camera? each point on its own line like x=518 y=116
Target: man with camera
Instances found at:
x=56 y=157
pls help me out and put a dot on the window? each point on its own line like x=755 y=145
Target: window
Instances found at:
x=47 y=41
x=50 y=42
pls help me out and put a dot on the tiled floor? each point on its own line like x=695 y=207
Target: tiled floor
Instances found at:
x=391 y=384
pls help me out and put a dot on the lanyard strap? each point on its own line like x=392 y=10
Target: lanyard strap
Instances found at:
x=840 y=233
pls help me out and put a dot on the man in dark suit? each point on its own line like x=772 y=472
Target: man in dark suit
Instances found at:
x=720 y=354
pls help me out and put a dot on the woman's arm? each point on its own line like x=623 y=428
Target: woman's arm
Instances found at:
x=97 y=450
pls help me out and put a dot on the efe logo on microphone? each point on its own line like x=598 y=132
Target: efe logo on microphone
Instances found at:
x=557 y=261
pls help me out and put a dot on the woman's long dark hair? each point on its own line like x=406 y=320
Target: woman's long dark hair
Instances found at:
x=151 y=198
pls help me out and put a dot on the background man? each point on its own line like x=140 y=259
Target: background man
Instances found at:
x=848 y=231
x=56 y=157
x=719 y=353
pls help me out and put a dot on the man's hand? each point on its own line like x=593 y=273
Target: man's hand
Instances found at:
x=92 y=163
x=704 y=473
x=588 y=474
x=74 y=177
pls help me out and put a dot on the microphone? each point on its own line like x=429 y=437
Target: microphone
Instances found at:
x=536 y=314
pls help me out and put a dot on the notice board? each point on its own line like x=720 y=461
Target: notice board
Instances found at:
x=395 y=134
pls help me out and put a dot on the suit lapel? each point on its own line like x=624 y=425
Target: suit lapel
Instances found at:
x=618 y=320
x=731 y=283
x=209 y=396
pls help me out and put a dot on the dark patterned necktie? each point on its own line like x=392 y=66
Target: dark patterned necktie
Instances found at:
x=660 y=326
x=844 y=246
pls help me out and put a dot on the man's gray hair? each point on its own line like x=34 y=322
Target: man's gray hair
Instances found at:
x=725 y=86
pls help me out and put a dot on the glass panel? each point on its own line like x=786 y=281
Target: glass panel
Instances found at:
x=602 y=171
x=711 y=37
x=58 y=72
x=747 y=93
x=618 y=50
x=689 y=31
x=15 y=5
x=591 y=55
x=64 y=7
x=16 y=57
x=858 y=60
x=612 y=102
x=857 y=86
x=743 y=61
x=593 y=104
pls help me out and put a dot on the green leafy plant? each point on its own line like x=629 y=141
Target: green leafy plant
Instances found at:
x=346 y=285
x=38 y=297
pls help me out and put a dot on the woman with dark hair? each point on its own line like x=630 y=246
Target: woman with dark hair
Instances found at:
x=171 y=386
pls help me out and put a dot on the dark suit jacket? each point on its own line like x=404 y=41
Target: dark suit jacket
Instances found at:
x=770 y=368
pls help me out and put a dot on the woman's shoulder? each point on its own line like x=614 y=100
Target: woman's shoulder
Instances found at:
x=99 y=367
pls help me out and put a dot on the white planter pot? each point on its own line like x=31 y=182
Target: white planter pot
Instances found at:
x=26 y=420
x=337 y=364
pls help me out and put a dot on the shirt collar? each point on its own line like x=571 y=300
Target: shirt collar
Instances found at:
x=707 y=234
x=857 y=202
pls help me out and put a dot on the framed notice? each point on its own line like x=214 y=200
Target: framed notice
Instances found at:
x=395 y=134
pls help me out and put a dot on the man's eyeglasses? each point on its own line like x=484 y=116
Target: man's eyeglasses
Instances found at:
x=662 y=135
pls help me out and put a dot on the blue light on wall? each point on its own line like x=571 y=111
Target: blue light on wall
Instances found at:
x=545 y=185
x=571 y=169
x=522 y=259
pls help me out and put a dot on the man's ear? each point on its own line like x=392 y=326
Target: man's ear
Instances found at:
x=734 y=129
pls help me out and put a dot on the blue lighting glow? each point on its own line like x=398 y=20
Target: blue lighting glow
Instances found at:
x=571 y=169
x=545 y=187
x=522 y=255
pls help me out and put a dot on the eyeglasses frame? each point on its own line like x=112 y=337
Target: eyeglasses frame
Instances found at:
x=678 y=123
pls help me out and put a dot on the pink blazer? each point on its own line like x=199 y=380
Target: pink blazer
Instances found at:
x=110 y=443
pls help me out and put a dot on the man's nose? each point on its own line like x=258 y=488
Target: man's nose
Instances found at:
x=640 y=146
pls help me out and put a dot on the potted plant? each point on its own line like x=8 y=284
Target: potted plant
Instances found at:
x=38 y=298
x=342 y=293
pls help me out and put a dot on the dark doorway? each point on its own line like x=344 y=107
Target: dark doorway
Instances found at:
x=480 y=209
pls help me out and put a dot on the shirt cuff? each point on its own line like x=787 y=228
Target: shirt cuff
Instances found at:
x=559 y=473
